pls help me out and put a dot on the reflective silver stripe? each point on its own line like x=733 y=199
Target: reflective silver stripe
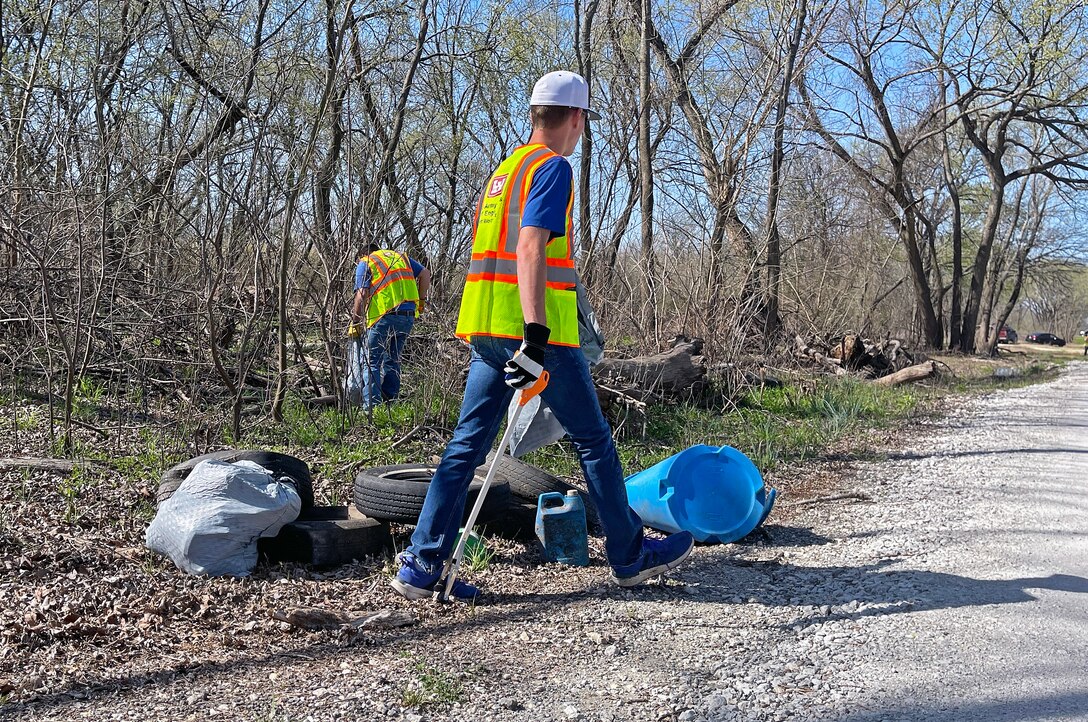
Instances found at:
x=507 y=267
x=383 y=267
x=558 y=274
x=397 y=274
x=513 y=212
x=499 y=266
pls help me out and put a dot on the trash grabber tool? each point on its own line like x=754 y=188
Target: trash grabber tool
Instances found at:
x=449 y=571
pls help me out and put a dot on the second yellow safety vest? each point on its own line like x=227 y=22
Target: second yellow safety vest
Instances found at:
x=391 y=284
x=491 y=305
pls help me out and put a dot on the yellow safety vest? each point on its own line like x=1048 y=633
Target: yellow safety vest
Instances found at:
x=490 y=305
x=391 y=284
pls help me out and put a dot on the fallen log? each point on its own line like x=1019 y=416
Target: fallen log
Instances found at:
x=678 y=371
x=60 y=466
x=911 y=373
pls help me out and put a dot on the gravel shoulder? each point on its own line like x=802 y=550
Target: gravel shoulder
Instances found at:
x=953 y=586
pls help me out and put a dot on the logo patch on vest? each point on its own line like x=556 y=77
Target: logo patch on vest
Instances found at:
x=496 y=186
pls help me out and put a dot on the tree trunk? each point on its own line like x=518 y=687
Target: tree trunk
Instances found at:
x=982 y=260
x=645 y=164
x=583 y=49
x=774 y=186
x=956 y=302
x=923 y=295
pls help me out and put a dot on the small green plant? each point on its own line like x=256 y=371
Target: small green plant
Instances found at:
x=87 y=398
x=70 y=489
x=412 y=698
x=148 y=461
x=27 y=419
x=152 y=564
x=477 y=554
x=22 y=492
x=431 y=686
x=272 y=714
x=144 y=510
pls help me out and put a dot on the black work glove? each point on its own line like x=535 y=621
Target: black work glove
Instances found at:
x=527 y=364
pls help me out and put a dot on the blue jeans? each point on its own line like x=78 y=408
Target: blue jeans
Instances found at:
x=571 y=396
x=384 y=346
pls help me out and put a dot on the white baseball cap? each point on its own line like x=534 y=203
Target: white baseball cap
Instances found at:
x=563 y=88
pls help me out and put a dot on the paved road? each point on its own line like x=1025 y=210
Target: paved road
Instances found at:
x=990 y=532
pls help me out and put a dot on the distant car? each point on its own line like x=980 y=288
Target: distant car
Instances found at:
x=1007 y=334
x=1046 y=338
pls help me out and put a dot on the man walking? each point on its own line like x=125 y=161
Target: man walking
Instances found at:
x=390 y=292
x=519 y=313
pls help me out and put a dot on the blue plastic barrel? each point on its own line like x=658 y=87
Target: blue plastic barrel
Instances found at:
x=715 y=493
x=561 y=528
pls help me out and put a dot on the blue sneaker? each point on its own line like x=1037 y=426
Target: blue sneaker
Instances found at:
x=658 y=556
x=414 y=582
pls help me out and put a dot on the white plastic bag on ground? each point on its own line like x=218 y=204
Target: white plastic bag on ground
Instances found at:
x=212 y=522
x=538 y=426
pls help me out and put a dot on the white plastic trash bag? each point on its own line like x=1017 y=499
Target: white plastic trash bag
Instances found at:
x=537 y=427
x=355 y=371
x=212 y=522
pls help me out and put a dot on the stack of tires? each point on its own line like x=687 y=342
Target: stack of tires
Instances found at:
x=396 y=493
x=322 y=535
x=283 y=466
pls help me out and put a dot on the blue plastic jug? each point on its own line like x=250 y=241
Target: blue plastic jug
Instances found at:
x=561 y=528
x=715 y=493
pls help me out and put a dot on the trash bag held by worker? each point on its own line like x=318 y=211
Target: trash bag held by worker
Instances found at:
x=355 y=370
x=537 y=425
x=211 y=524
x=590 y=335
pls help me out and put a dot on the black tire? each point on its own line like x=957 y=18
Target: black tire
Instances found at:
x=518 y=522
x=396 y=493
x=527 y=483
x=296 y=471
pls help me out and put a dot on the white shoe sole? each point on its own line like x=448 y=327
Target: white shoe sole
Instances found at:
x=416 y=593
x=409 y=592
x=653 y=571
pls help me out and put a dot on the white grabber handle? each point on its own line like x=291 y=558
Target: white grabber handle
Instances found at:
x=449 y=571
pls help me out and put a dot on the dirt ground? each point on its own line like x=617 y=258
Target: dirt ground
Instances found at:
x=93 y=625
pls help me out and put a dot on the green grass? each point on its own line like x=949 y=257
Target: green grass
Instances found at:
x=772 y=426
x=785 y=424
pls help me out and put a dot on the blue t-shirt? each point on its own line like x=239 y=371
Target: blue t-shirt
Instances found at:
x=363 y=279
x=549 y=194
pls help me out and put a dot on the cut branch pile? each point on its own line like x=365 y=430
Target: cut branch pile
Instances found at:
x=886 y=362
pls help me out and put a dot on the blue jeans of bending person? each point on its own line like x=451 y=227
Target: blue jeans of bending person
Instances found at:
x=571 y=396
x=384 y=346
